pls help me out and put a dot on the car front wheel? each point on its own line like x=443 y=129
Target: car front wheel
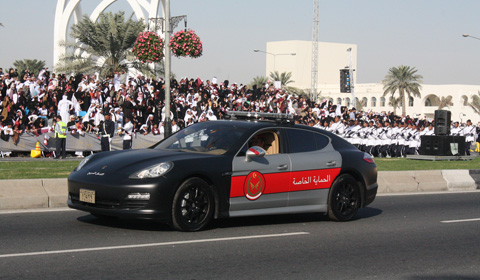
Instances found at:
x=193 y=205
x=344 y=198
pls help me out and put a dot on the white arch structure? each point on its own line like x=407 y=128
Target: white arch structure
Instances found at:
x=66 y=8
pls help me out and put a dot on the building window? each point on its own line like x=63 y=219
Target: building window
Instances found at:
x=364 y=102
x=410 y=101
x=428 y=102
x=347 y=102
x=432 y=101
x=374 y=102
x=339 y=101
x=382 y=102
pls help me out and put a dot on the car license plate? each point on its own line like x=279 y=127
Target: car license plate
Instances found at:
x=87 y=196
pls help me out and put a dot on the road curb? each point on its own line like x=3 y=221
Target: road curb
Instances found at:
x=52 y=193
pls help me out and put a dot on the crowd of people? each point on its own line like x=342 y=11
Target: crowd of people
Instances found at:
x=30 y=103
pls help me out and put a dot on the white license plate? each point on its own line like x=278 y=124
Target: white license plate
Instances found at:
x=87 y=196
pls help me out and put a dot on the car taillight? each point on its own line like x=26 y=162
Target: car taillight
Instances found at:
x=368 y=158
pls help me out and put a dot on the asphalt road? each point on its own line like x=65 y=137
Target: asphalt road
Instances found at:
x=396 y=237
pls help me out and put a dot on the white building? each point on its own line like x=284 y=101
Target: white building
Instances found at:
x=334 y=56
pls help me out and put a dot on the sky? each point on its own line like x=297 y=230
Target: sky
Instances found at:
x=425 y=34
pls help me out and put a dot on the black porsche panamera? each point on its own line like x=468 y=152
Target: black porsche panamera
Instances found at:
x=252 y=164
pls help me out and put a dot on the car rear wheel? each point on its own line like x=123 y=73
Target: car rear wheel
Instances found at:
x=193 y=205
x=344 y=198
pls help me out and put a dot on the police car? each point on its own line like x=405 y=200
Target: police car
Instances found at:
x=251 y=164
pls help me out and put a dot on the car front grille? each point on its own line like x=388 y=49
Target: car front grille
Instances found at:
x=102 y=203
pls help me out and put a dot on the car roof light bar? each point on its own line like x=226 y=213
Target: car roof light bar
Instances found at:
x=260 y=116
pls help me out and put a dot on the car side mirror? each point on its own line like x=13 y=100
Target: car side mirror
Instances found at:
x=254 y=152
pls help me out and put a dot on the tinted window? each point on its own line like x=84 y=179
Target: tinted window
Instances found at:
x=301 y=141
x=322 y=141
x=208 y=137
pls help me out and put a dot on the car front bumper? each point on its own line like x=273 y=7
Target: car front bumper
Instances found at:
x=111 y=200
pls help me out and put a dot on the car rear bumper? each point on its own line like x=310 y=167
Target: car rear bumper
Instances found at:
x=370 y=194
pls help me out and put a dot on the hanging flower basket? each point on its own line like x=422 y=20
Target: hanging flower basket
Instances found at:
x=186 y=43
x=148 y=47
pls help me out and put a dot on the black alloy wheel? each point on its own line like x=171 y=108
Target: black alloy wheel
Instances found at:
x=193 y=205
x=344 y=198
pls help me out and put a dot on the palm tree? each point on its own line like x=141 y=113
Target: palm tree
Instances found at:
x=259 y=81
x=445 y=102
x=106 y=45
x=360 y=104
x=33 y=65
x=404 y=80
x=395 y=103
x=284 y=78
x=474 y=104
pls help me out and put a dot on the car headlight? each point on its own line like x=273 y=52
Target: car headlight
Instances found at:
x=83 y=162
x=153 y=171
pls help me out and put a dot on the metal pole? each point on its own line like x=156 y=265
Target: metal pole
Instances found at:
x=350 y=70
x=167 y=121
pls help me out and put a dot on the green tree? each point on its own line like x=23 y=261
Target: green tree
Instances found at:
x=474 y=103
x=395 y=103
x=258 y=81
x=284 y=78
x=403 y=80
x=107 y=43
x=32 y=65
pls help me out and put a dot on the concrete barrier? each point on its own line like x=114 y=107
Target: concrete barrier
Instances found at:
x=396 y=181
x=49 y=193
x=57 y=191
x=475 y=174
x=22 y=194
x=429 y=180
x=459 y=180
x=411 y=181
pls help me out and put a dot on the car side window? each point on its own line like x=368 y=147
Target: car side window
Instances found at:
x=267 y=140
x=301 y=141
x=321 y=141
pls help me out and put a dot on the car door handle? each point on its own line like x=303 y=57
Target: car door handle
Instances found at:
x=331 y=163
x=282 y=167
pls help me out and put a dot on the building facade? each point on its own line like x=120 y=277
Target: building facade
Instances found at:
x=333 y=56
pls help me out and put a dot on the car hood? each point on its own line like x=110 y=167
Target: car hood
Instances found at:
x=129 y=161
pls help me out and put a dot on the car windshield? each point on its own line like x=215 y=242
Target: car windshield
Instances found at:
x=208 y=137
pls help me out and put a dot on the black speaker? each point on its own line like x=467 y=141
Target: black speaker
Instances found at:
x=442 y=145
x=443 y=121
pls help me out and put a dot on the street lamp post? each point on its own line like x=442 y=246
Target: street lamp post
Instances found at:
x=274 y=56
x=167 y=122
x=167 y=25
x=466 y=35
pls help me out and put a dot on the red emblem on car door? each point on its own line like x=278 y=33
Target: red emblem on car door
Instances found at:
x=254 y=185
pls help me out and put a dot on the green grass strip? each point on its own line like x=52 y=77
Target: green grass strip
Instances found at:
x=61 y=169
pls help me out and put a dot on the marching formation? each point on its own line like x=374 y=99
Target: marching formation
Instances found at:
x=397 y=138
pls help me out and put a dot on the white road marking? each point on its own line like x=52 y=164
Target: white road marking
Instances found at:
x=152 y=244
x=461 y=221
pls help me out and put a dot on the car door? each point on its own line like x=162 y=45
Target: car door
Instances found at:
x=260 y=186
x=315 y=165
